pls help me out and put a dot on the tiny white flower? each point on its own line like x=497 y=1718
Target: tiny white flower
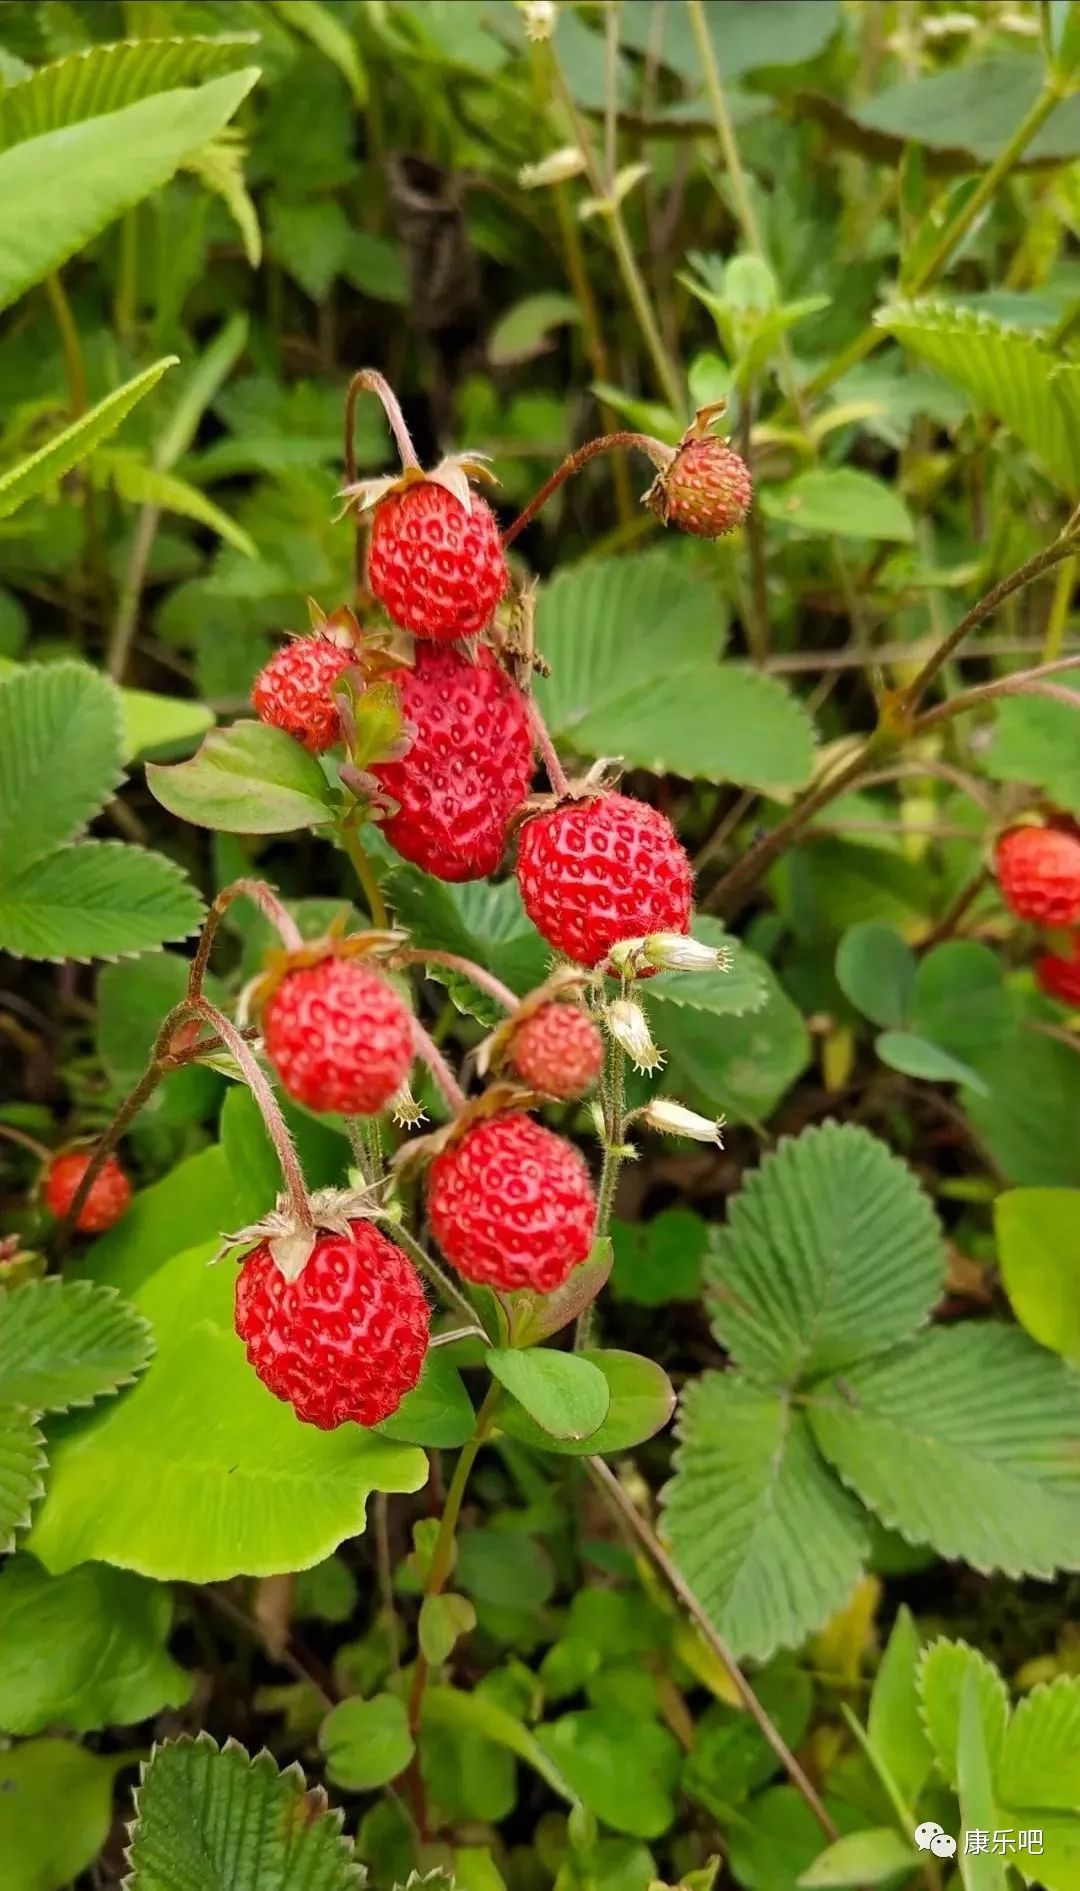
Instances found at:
x=539 y=18
x=674 y=1119
x=630 y=1027
x=675 y=952
x=405 y=1110
x=557 y=169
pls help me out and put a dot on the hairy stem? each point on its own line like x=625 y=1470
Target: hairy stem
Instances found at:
x=370 y=381
x=617 y=1497
x=456 y=962
x=266 y=900
x=556 y=774
x=1025 y=683
x=451 y=1293
x=276 y=1127
x=656 y=451
x=614 y=1131
x=429 y=1053
x=1052 y=554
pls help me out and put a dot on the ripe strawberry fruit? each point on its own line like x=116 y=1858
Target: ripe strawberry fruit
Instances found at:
x=706 y=489
x=1038 y=871
x=435 y=564
x=1060 y=975
x=511 y=1204
x=468 y=768
x=292 y=691
x=338 y=1036
x=347 y=1339
x=558 y=1051
x=597 y=871
x=108 y=1197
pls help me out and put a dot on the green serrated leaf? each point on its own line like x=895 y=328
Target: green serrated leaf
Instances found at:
x=22 y=1460
x=216 y=1820
x=41 y=470
x=979 y=1871
x=740 y=1064
x=60 y=758
x=65 y=1343
x=58 y=190
x=1039 y=1760
x=1035 y=741
x=481 y=920
x=564 y=1393
x=97 y=900
x=248 y=779
x=101 y=79
x=945 y=1669
x=749 y=1493
x=967 y=1439
x=831 y=1252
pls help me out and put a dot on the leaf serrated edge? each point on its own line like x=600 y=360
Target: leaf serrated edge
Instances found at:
x=981 y=1661
x=88 y=1290
x=260 y=1761
x=938 y=317
x=72 y=667
x=135 y=952
x=39 y=1464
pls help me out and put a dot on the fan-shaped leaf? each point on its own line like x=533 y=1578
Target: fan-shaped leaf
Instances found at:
x=969 y=1440
x=215 y=1820
x=57 y=191
x=831 y=1251
x=944 y=1672
x=68 y=1342
x=65 y=450
x=22 y=1460
x=60 y=758
x=1040 y=1757
x=102 y=79
x=1006 y=372
x=875 y=970
x=96 y=900
x=749 y=1494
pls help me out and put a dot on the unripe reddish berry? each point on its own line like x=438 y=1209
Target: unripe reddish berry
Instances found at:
x=108 y=1196
x=511 y=1204
x=293 y=691
x=597 y=871
x=705 y=490
x=558 y=1051
x=339 y=1036
x=1059 y=974
x=1038 y=871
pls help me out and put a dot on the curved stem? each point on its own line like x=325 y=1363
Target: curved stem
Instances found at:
x=1026 y=683
x=556 y=774
x=1050 y=555
x=614 y=1132
x=266 y=900
x=276 y=1127
x=657 y=452
x=429 y=1053
x=362 y=868
x=370 y=381
x=609 y=1484
x=731 y=893
x=24 y=1141
x=455 y=962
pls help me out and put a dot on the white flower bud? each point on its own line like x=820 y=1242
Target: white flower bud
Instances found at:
x=676 y=952
x=539 y=18
x=674 y=1119
x=630 y=1027
x=557 y=169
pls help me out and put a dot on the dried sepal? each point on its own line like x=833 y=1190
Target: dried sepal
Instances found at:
x=454 y=473
x=335 y=943
x=491 y=1054
x=405 y=1110
x=290 y=1243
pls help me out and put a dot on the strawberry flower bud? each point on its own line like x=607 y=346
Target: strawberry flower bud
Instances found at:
x=675 y=952
x=630 y=1027
x=674 y=1119
x=558 y=168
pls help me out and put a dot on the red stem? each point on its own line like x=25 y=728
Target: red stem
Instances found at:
x=430 y=1054
x=454 y=962
x=556 y=774
x=370 y=381
x=266 y=900
x=660 y=455
x=270 y=1110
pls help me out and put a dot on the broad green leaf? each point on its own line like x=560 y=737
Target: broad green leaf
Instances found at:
x=321 y=25
x=479 y=1713
x=979 y=1871
x=482 y=921
x=1035 y=741
x=945 y=1670
x=741 y=1064
x=894 y=1726
x=155 y=723
x=1031 y=1119
x=779 y=1838
x=624 y=1771
x=215 y=1820
x=1007 y=373
x=749 y=1493
x=918 y=1057
x=97 y=900
x=731 y=1757
x=968 y=1439
x=641 y=1402
x=505 y=1568
x=56 y=1807
x=190 y=1205
x=60 y=758
x=248 y=779
x=443 y=1620
x=22 y=1460
x=867 y=1857
x=57 y=191
x=875 y=970
x=102 y=79
x=1038 y=1239
x=41 y=470
x=843 y=501
x=975 y=107
x=85 y=1650
x=564 y=1392
x=366 y=1743
x=659 y=1260
x=747 y=34
x=437 y=1412
x=1039 y=1762
x=523 y=331
x=721 y=723
x=960 y=1002
x=134 y=479
x=831 y=1252
x=253 y=1491
x=68 y=1342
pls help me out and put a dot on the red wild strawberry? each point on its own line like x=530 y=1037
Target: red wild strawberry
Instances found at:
x=338 y=1036
x=108 y=1197
x=511 y=1204
x=1060 y=975
x=468 y=768
x=344 y=1341
x=436 y=564
x=293 y=691
x=558 y=1051
x=597 y=871
x=1038 y=871
x=704 y=487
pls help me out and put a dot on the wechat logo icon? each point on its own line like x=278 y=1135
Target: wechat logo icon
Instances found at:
x=931 y=1837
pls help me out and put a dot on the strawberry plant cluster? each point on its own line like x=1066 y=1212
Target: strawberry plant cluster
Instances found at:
x=540 y=913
